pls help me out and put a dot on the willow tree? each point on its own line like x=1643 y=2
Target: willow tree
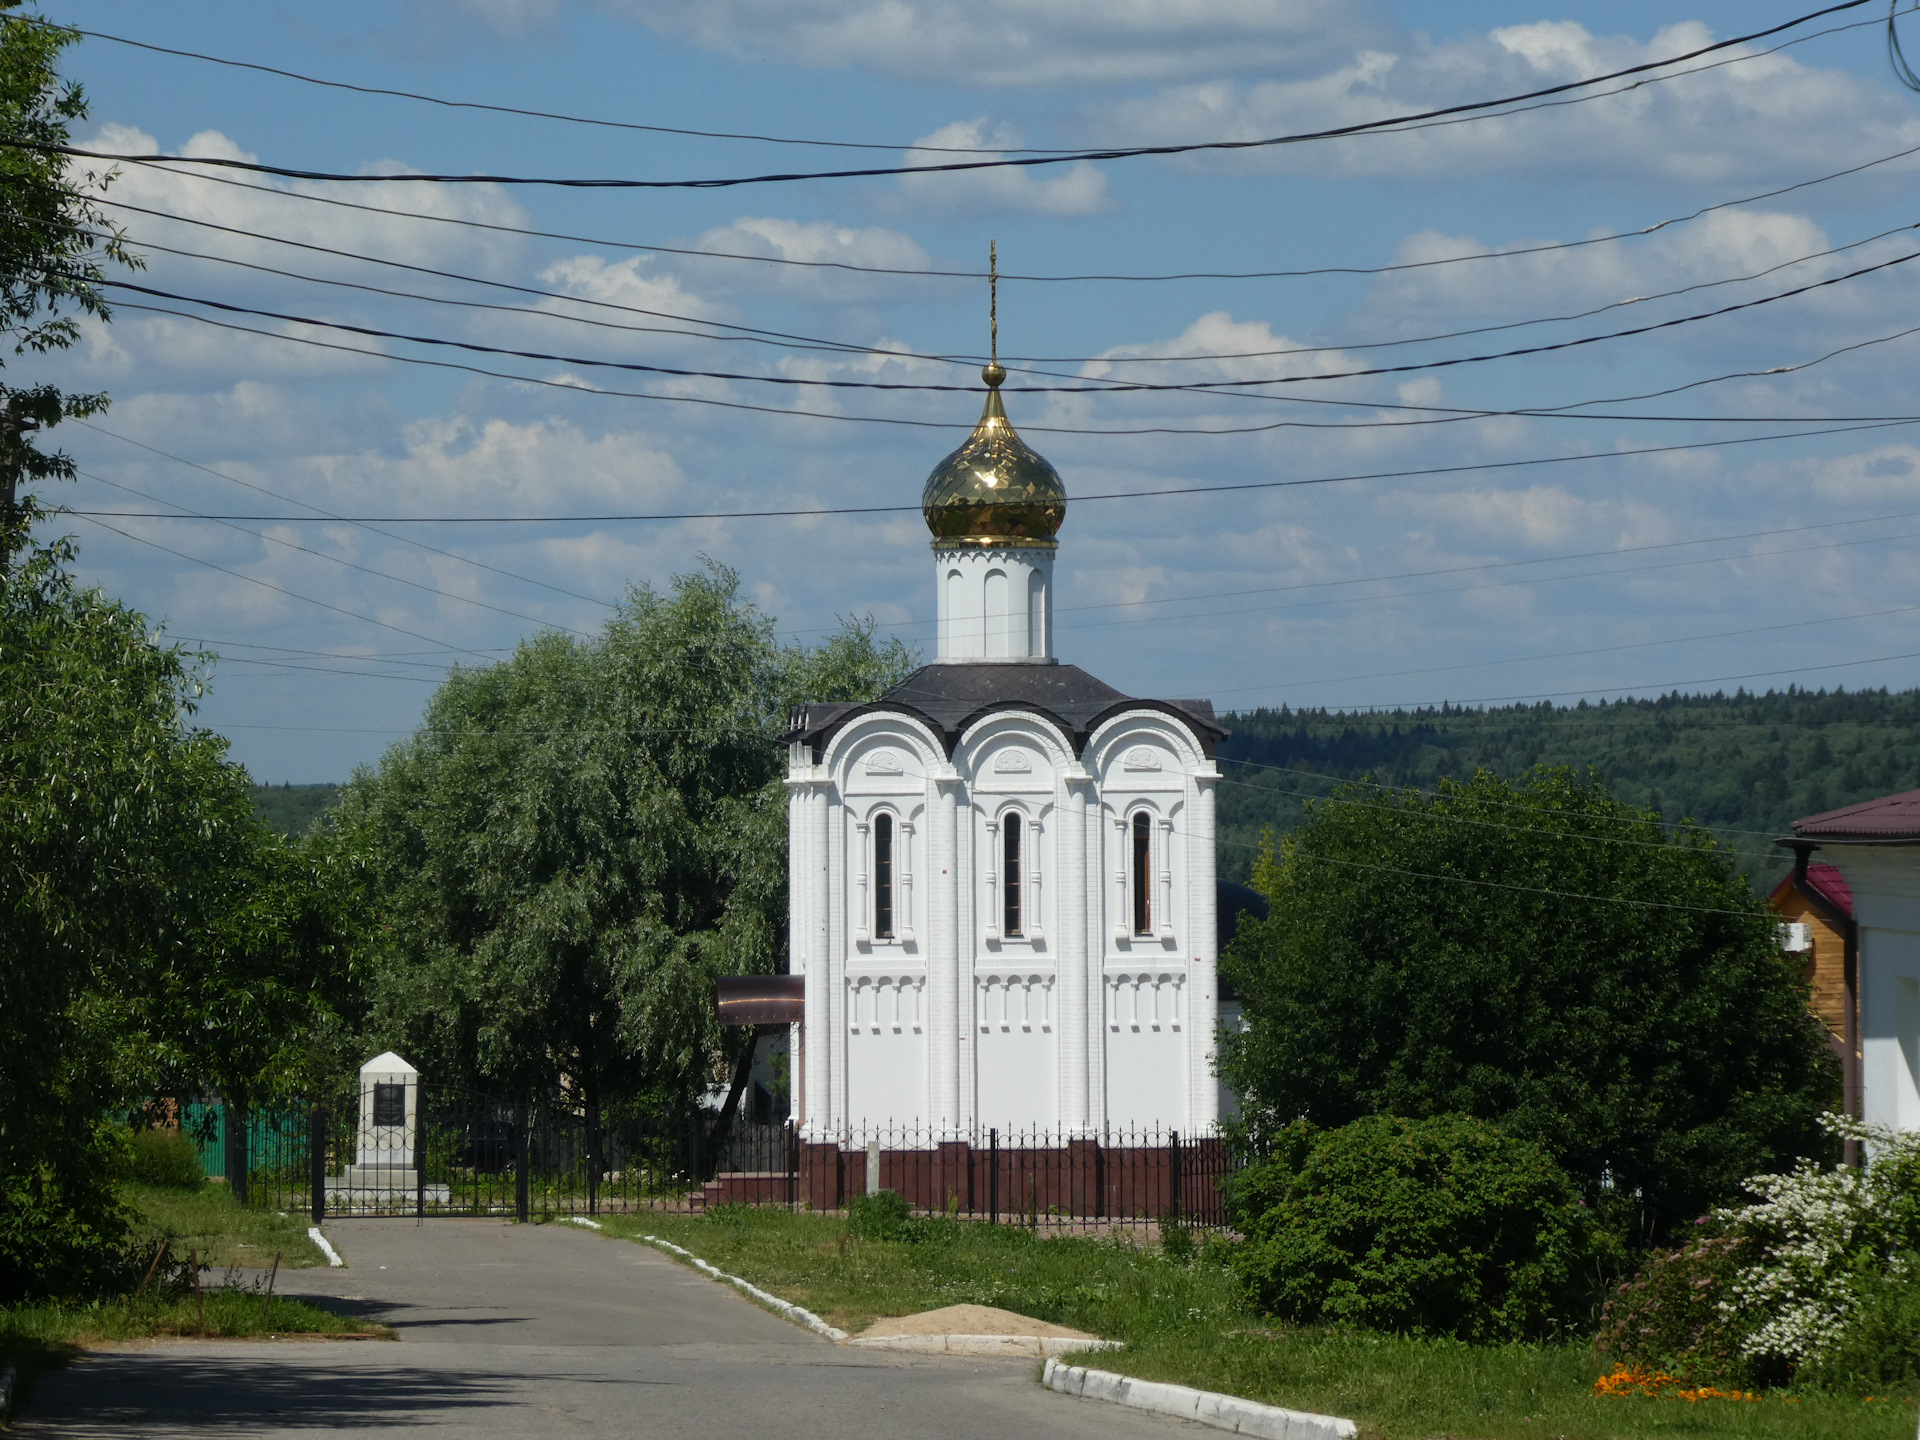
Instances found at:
x=53 y=242
x=580 y=839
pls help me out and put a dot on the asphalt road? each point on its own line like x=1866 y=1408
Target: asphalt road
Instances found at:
x=549 y=1330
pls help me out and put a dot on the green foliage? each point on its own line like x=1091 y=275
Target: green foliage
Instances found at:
x=152 y=937
x=1879 y=1347
x=1669 y=1317
x=294 y=810
x=1816 y=1281
x=167 y=1158
x=1176 y=1240
x=1546 y=958
x=883 y=1215
x=580 y=839
x=1189 y=1325
x=1442 y=1226
x=50 y=250
x=1742 y=765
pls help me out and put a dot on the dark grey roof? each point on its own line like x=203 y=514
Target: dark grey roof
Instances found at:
x=952 y=697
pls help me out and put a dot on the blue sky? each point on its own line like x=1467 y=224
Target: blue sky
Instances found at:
x=1599 y=572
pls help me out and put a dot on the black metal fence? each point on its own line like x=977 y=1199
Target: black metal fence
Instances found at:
x=405 y=1148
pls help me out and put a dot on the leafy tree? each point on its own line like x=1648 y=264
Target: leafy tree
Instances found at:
x=53 y=239
x=152 y=934
x=1546 y=958
x=578 y=840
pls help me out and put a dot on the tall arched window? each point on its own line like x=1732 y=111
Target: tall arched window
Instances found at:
x=1142 y=874
x=1010 y=878
x=883 y=877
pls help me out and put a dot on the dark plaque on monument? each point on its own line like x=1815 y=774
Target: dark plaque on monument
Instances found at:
x=389 y=1104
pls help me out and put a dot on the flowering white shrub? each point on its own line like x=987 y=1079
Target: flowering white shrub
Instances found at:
x=1810 y=1232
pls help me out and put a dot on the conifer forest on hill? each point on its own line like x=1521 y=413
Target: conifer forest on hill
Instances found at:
x=1745 y=765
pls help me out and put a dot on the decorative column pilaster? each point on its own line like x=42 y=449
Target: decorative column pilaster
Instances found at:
x=1076 y=1021
x=810 y=882
x=1096 y=952
x=834 y=845
x=943 y=956
x=1203 y=925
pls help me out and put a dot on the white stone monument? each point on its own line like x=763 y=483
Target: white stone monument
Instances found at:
x=385 y=1145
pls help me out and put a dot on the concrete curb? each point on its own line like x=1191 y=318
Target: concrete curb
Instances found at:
x=333 y=1256
x=1020 y=1346
x=1204 y=1407
x=773 y=1302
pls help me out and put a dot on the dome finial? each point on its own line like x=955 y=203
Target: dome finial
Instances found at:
x=993 y=372
x=994 y=491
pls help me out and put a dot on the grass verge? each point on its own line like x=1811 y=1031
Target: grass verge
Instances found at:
x=1185 y=1323
x=36 y=1338
x=207 y=1221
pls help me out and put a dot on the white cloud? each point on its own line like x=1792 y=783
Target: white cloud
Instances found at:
x=299 y=210
x=1076 y=189
x=1020 y=42
x=1541 y=515
x=819 y=243
x=1753 y=118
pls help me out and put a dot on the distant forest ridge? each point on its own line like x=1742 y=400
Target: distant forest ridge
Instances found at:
x=1744 y=765
x=294 y=809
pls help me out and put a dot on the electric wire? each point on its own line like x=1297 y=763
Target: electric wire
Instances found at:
x=1165 y=491
x=855 y=348
x=549 y=114
x=268 y=585
x=1117 y=387
x=322 y=514
x=1041 y=279
x=1131 y=152
x=188 y=512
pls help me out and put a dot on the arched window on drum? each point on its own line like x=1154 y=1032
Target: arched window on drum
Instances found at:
x=1142 y=871
x=1011 y=918
x=883 y=877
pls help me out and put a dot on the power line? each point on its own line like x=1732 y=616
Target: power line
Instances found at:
x=1118 y=387
x=910 y=272
x=958 y=166
x=1661 y=687
x=1167 y=491
x=277 y=589
x=328 y=515
x=549 y=114
x=1666 y=845
x=848 y=347
x=1609 y=649
x=1526 y=889
x=189 y=513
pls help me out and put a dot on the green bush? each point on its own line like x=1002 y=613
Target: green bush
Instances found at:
x=1670 y=1316
x=166 y=1157
x=1444 y=1226
x=883 y=1215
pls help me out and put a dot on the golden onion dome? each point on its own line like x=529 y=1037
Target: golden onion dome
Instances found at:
x=994 y=492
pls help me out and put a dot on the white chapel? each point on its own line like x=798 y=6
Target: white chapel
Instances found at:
x=1003 y=891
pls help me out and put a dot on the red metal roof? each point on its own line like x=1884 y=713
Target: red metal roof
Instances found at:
x=1828 y=881
x=1893 y=817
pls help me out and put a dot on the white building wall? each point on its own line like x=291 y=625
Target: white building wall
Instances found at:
x=1886 y=907
x=954 y=1025
x=994 y=604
